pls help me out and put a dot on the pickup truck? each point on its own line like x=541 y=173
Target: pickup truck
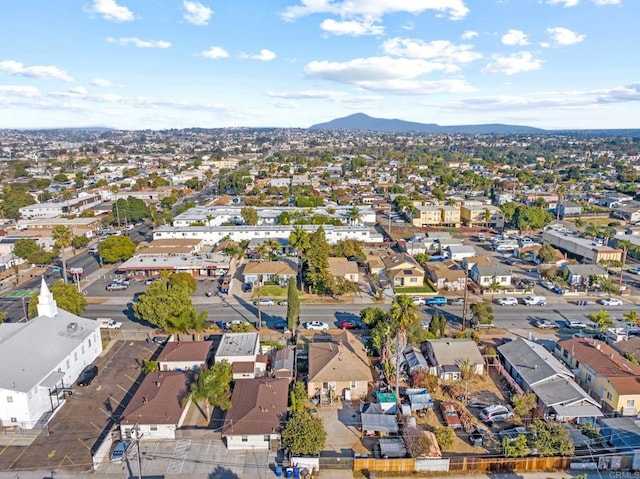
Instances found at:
x=108 y=323
x=437 y=301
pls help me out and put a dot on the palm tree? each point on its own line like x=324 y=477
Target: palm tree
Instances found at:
x=591 y=231
x=273 y=246
x=354 y=215
x=63 y=238
x=299 y=240
x=403 y=313
x=631 y=317
x=561 y=191
x=212 y=387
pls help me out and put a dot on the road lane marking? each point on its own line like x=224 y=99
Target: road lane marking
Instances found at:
x=51 y=454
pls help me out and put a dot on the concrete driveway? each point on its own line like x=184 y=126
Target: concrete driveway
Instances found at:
x=342 y=422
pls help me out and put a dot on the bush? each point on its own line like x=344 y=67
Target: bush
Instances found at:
x=445 y=436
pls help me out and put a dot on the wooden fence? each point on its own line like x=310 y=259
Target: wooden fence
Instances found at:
x=491 y=464
x=380 y=465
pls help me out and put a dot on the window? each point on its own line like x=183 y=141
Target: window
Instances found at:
x=14 y=419
x=82 y=349
x=588 y=378
x=565 y=354
x=267 y=437
x=245 y=439
x=68 y=364
x=609 y=396
x=631 y=403
x=75 y=356
x=153 y=427
x=89 y=342
x=9 y=398
x=413 y=280
x=353 y=385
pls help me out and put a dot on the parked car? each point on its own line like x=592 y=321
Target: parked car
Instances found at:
x=351 y=324
x=316 y=325
x=477 y=325
x=634 y=271
x=547 y=284
x=228 y=324
x=279 y=324
x=437 y=301
x=247 y=287
x=576 y=324
x=284 y=303
x=264 y=302
x=496 y=413
x=545 y=324
x=119 y=452
x=93 y=250
x=507 y=301
x=476 y=437
x=456 y=302
x=418 y=301
x=610 y=302
x=108 y=323
x=148 y=281
x=450 y=415
x=116 y=287
x=87 y=375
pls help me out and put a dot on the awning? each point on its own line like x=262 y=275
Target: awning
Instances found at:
x=569 y=412
x=382 y=423
x=51 y=380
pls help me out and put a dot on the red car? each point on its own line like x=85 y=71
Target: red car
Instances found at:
x=350 y=324
x=450 y=415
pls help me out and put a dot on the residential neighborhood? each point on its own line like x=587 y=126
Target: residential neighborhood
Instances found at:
x=319 y=301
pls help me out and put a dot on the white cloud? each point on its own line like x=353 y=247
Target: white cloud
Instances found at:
x=515 y=37
x=438 y=50
x=397 y=75
x=196 y=13
x=110 y=10
x=351 y=27
x=215 y=52
x=408 y=26
x=512 y=64
x=375 y=9
x=264 y=56
x=42 y=72
x=304 y=94
x=20 y=90
x=469 y=34
x=564 y=36
x=564 y=3
x=139 y=43
x=101 y=83
x=607 y=2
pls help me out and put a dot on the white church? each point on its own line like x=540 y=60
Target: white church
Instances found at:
x=40 y=359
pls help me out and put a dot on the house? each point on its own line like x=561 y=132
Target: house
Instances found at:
x=569 y=208
x=343 y=268
x=530 y=367
x=459 y=252
x=486 y=275
x=277 y=271
x=156 y=409
x=375 y=264
x=445 y=356
x=339 y=367
x=241 y=351
x=603 y=372
x=488 y=216
x=414 y=360
x=584 y=248
x=446 y=276
x=258 y=412
x=581 y=274
x=41 y=359
x=284 y=363
x=402 y=270
x=184 y=356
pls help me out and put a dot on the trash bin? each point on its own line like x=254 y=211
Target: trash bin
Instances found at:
x=296 y=473
x=289 y=472
x=278 y=471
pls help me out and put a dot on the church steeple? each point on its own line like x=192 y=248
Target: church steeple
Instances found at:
x=46 y=304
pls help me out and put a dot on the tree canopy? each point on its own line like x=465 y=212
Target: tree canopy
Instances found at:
x=129 y=210
x=169 y=308
x=293 y=304
x=67 y=297
x=116 y=248
x=213 y=387
x=304 y=433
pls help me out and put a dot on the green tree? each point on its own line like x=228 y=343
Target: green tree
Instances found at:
x=551 y=438
x=318 y=274
x=116 y=248
x=515 y=447
x=130 y=210
x=631 y=317
x=298 y=396
x=169 y=307
x=149 y=366
x=482 y=312
x=354 y=215
x=509 y=211
x=249 y=215
x=293 y=304
x=13 y=199
x=348 y=248
x=371 y=316
x=67 y=298
x=62 y=238
x=524 y=405
x=79 y=242
x=3 y=316
x=26 y=248
x=403 y=313
x=531 y=217
x=445 y=436
x=304 y=433
x=284 y=218
x=546 y=253
x=213 y=387
x=184 y=278
x=602 y=319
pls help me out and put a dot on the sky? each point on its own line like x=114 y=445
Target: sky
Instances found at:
x=158 y=64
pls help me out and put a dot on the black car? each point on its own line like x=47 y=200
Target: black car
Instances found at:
x=87 y=375
x=247 y=287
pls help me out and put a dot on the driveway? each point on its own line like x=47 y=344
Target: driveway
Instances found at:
x=342 y=422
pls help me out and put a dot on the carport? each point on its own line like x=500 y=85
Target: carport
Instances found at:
x=379 y=425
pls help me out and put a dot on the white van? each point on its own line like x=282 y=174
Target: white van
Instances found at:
x=535 y=300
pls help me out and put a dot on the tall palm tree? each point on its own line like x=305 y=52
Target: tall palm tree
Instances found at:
x=299 y=240
x=403 y=313
x=631 y=317
x=354 y=215
x=561 y=191
x=62 y=238
x=273 y=246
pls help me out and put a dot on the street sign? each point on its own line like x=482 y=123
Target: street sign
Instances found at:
x=76 y=270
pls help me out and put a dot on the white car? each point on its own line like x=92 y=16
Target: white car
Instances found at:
x=418 y=301
x=610 y=302
x=228 y=324
x=507 y=301
x=634 y=271
x=316 y=326
x=265 y=302
x=576 y=324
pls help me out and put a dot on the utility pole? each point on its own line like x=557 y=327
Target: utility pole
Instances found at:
x=138 y=437
x=464 y=301
x=624 y=260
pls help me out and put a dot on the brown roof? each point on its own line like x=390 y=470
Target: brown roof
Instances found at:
x=259 y=406
x=158 y=400
x=375 y=263
x=343 y=359
x=601 y=357
x=239 y=367
x=185 y=351
x=626 y=385
x=269 y=267
x=342 y=267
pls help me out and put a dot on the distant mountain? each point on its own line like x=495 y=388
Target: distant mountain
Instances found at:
x=362 y=122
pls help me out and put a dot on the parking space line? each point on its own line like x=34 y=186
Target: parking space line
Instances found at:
x=6 y=447
x=105 y=413
x=129 y=377
x=96 y=426
x=82 y=442
x=66 y=458
x=19 y=456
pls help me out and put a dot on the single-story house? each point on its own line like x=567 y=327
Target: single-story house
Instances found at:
x=485 y=275
x=581 y=274
x=446 y=276
x=445 y=356
x=184 y=355
x=278 y=271
x=343 y=268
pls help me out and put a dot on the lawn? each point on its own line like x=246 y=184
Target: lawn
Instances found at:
x=270 y=291
x=414 y=289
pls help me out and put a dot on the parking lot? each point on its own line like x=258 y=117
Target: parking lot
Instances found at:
x=87 y=414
